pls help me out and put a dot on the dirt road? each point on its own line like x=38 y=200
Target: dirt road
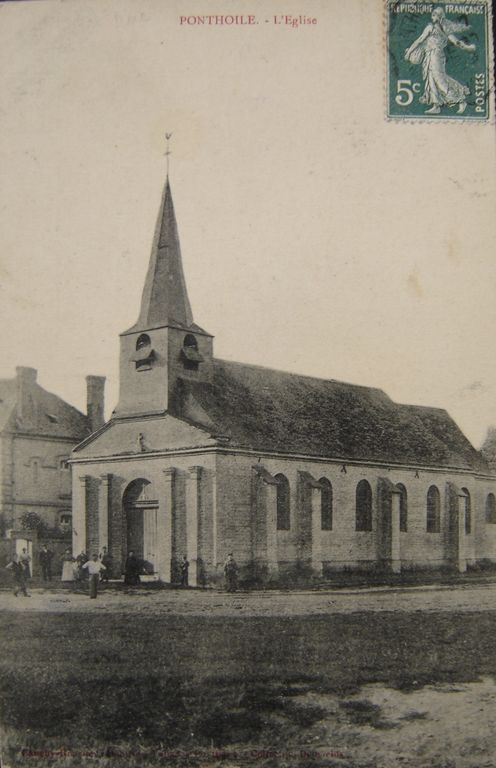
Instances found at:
x=270 y=603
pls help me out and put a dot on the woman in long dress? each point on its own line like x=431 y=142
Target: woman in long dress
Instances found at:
x=68 y=561
x=429 y=50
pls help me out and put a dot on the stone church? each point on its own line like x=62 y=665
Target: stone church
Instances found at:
x=292 y=474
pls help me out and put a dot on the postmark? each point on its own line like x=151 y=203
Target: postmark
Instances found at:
x=438 y=60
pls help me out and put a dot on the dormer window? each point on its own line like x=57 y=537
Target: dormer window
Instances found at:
x=190 y=355
x=144 y=354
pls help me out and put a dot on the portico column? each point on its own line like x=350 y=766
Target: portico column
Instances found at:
x=316 y=544
x=79 y=515
x=395 y=554
x=164 y=525
x=104 y=501
x=271 y=529
x=193 y=506
x=461 y=556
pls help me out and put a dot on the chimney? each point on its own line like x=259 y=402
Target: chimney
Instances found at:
x=95 y=386
x=25 y=378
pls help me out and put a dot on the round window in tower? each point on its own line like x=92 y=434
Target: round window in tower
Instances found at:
x=143 y=341
x=144 y=355
x=190 y=354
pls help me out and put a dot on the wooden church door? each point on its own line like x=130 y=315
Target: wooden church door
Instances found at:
x=142 y=523
x=150 y=538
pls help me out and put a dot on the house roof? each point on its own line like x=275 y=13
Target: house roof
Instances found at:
x=46 y=414
x=264 y=409
x=8 y=392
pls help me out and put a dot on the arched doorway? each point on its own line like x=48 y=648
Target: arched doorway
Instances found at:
x=141 y=511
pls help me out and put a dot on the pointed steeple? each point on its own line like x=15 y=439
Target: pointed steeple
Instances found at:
x=165 y=299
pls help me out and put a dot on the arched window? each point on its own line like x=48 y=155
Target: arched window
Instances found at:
x=190 y=341
x=35 y=469
x=190 y=354
x=283 y=512
x=403 y=507
x=468 y=510
x=433 y=510
x=363 y=519
x=144 y=355
x=325 y=504
x=490 y=508
x=143 y=341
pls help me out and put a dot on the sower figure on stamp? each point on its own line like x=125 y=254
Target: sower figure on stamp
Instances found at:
x=18 y=575
x=184 y=571
x=429 y=51
x=231 y=573
x=94 y=567
x=46 y=562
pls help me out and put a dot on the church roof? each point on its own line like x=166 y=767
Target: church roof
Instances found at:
x=45 y=414
x=268 y=410
x=165 y=298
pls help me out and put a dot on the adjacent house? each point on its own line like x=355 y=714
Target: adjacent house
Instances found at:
x=38 y=431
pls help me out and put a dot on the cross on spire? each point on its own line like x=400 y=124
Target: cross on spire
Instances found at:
x=168 y=151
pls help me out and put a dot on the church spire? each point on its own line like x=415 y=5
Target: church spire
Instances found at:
x=165 y=299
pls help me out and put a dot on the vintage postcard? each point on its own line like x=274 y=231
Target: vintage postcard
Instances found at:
x=247 y=384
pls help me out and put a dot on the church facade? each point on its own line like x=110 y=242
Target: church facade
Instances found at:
x=294 y=475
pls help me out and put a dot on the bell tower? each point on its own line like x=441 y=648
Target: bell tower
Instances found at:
x=164 y=345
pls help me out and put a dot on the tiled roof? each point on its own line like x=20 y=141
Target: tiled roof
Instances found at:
x=7 y=402
x=46 y=415
x=264 y=409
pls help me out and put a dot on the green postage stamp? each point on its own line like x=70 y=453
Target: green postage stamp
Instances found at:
x=438 y=58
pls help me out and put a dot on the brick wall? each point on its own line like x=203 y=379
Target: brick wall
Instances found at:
x=41 y=484
x=233 y=503
x=344 y=546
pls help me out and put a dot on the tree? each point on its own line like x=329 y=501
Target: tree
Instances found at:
x=31 y=521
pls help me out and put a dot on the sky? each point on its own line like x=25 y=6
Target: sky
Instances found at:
x=317 y=236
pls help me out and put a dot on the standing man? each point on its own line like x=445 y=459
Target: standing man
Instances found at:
x=106 y=559
x=25 y=561
x=46 y=562
x=231 y=573
x=184 y=571
x=93 y=568
x=132 y=570
x=81 y=559
x=18 y=574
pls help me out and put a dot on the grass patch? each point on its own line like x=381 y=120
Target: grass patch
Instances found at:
x=162 y=683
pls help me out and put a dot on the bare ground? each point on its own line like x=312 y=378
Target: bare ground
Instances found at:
x=352 y=678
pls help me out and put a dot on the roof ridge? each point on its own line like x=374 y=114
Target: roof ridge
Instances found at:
x=302 y=376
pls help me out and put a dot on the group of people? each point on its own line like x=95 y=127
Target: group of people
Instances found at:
x=99 y=569
x=230 y=573
x=75 y=568
x=96 y=569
